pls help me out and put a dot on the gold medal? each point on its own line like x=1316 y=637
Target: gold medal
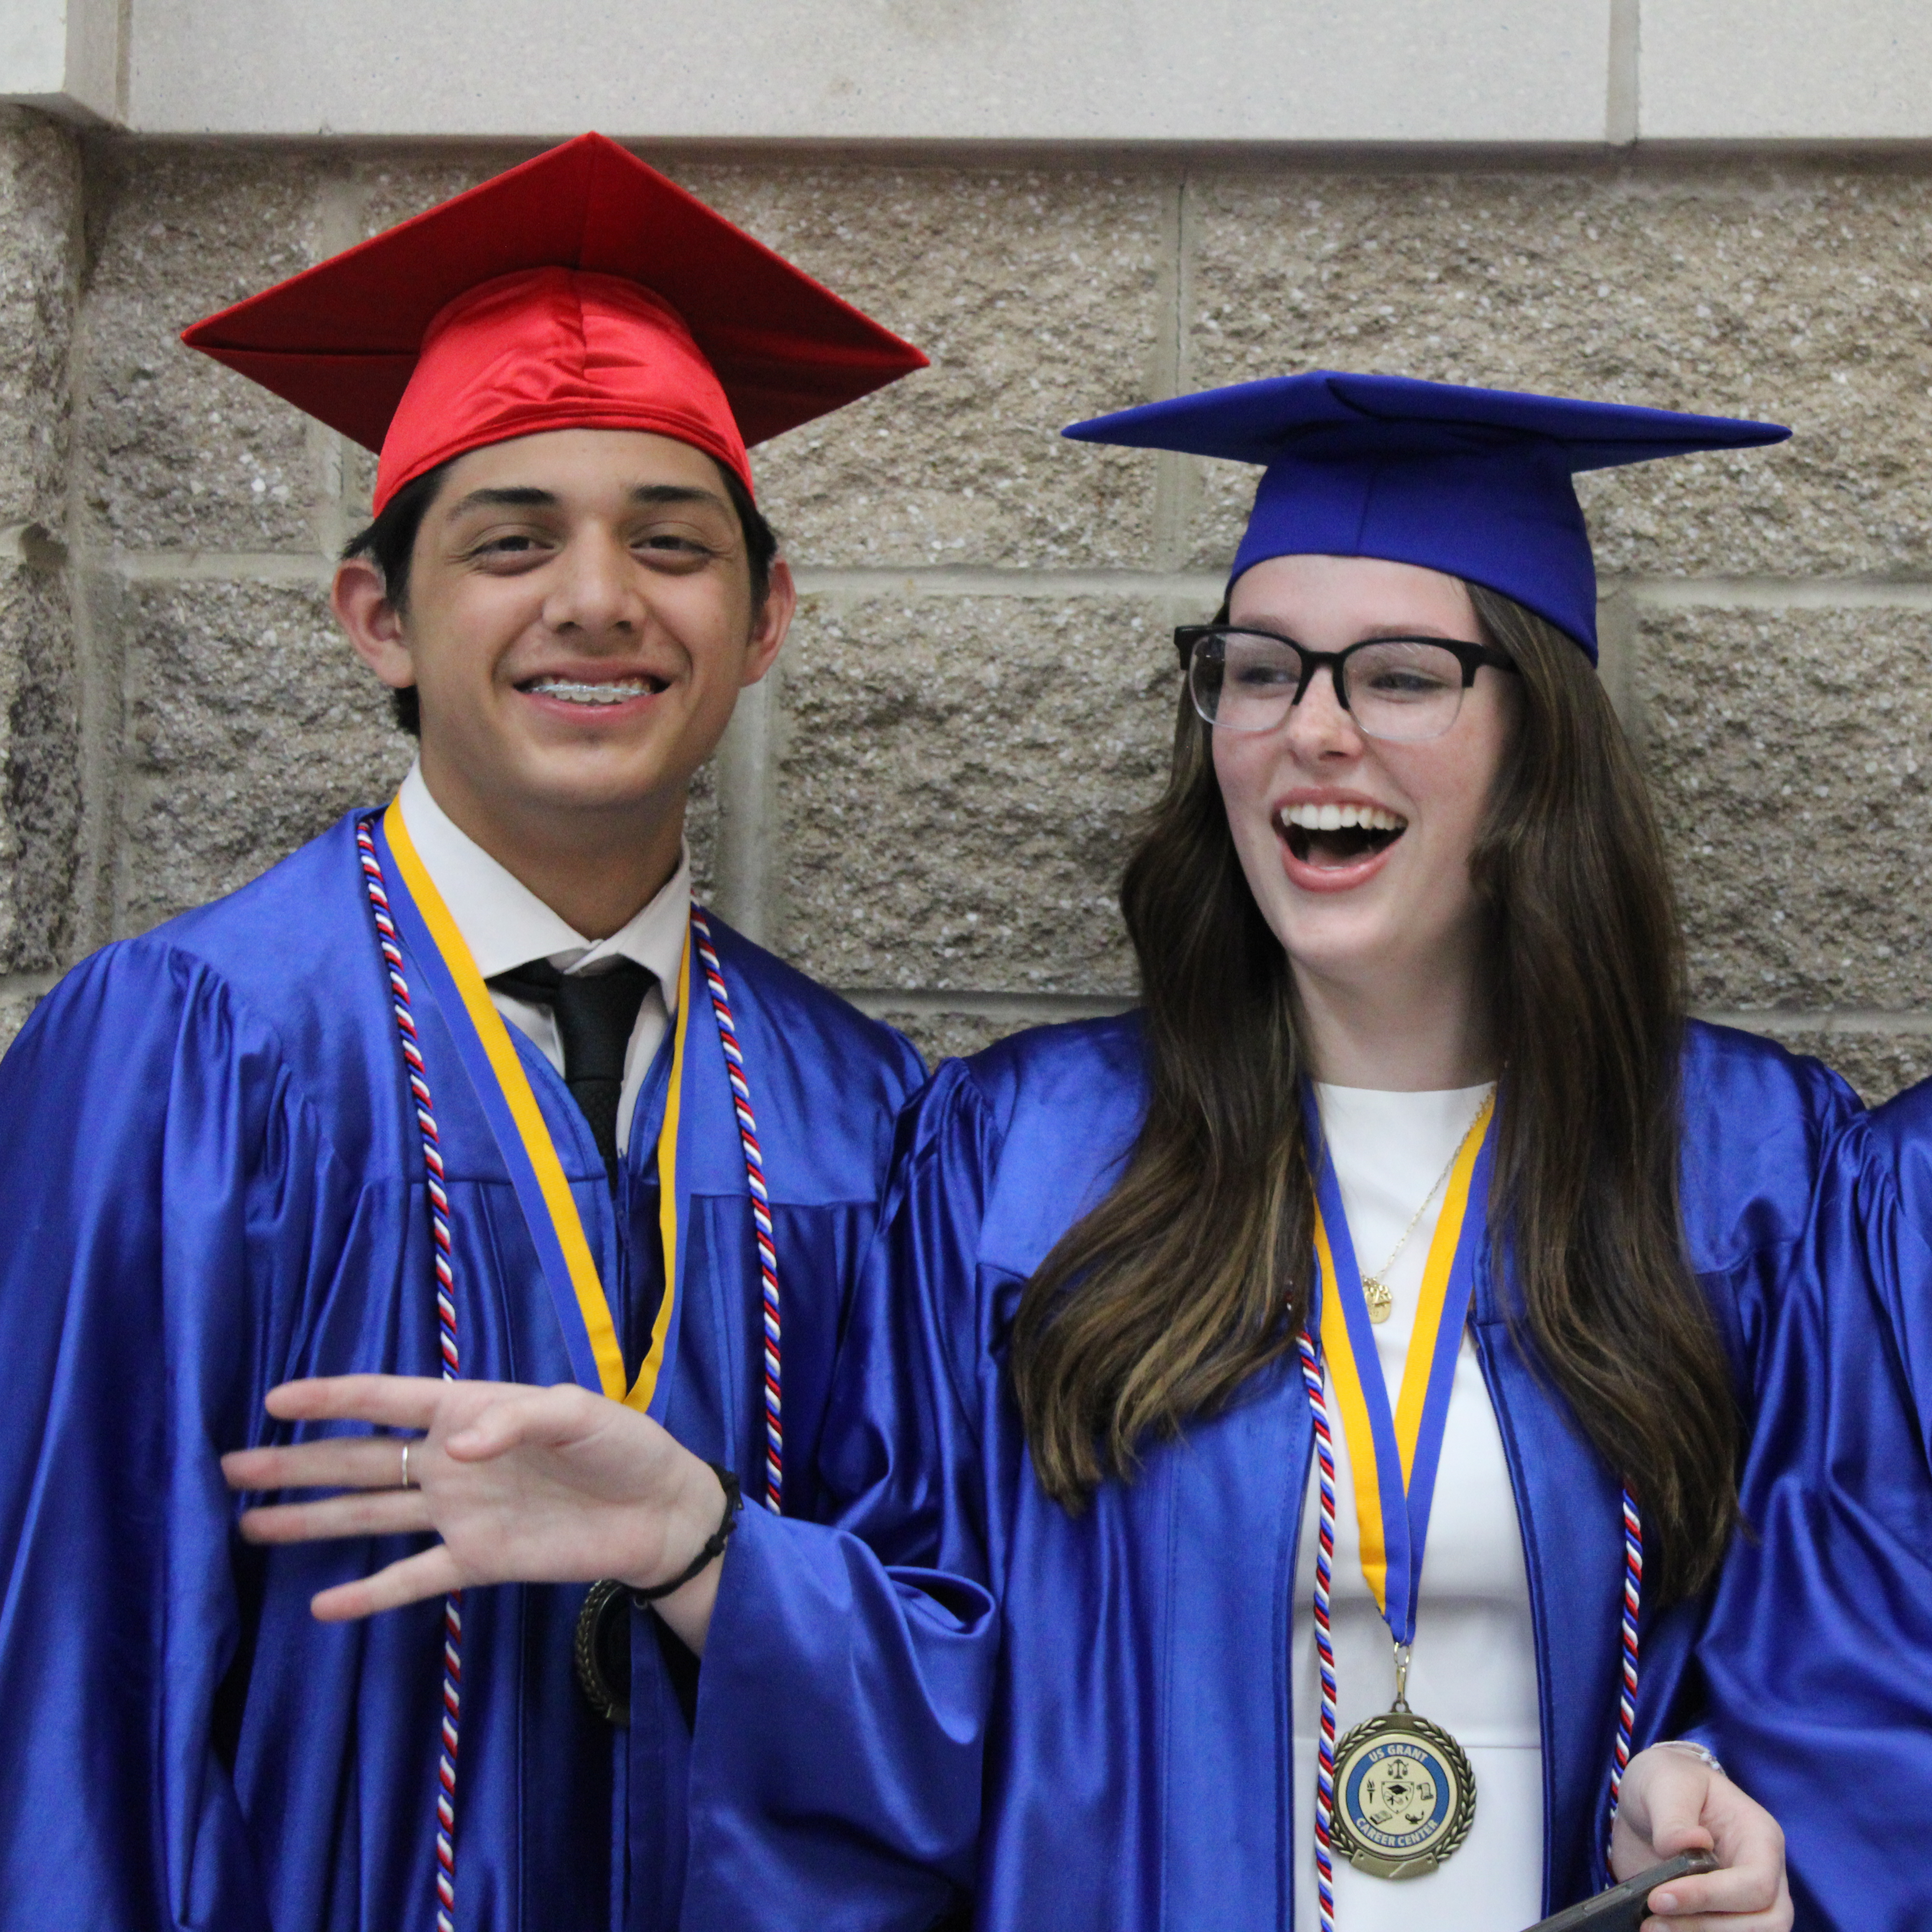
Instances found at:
x=1405 y=1795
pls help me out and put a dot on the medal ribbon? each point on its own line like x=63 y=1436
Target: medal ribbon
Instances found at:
x=523 y=1137
x=1395 y=1455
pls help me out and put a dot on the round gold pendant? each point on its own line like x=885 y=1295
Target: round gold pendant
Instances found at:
x=1405 y=1795
x=1380 y=1296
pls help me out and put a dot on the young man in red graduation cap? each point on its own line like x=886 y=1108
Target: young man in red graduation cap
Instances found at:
x=468 y=1087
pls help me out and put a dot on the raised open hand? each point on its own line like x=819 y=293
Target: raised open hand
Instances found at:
x=522 y=1484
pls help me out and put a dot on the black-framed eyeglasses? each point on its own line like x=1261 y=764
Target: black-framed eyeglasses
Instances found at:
x=1402 y=689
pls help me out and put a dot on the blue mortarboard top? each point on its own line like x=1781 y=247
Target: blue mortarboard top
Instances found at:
x=1473 y=482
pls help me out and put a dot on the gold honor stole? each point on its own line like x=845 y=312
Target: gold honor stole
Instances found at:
x=523 y=1135
x=1394 y=1457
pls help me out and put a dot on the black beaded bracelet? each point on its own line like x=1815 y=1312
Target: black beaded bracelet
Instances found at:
x=734 y=1502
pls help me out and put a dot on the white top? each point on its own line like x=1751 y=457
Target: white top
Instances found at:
x=505 y=925
x=1473 y=1669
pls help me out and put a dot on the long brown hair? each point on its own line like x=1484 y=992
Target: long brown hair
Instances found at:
x=1194 y=1272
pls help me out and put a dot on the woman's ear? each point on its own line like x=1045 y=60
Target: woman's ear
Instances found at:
x=376 y=631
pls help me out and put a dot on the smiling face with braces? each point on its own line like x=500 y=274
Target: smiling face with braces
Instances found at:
x=580 y=619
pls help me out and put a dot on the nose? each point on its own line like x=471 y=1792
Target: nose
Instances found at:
x=1319 y=727
x=594 y=593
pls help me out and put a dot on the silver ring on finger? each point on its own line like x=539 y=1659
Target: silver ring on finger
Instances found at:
x=406 y=1484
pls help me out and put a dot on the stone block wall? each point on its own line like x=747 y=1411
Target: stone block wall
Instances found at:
x=41 y=677
x=928 y=804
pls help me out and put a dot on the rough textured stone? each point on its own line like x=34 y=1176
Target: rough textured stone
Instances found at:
x=1789 y=753
x=179 y=452
x=1878 y=1063
x=40 y=221
x=701 y=831
x=1802 y=295
x=39 y=791
x=954 y=1035
x=957 y=787
x=955 y=779
x=40 y=262
x=251 y=729
x=1036 y=295
x=15 y=1007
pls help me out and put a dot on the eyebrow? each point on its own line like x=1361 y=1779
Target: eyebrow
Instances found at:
x=1425 y=633
x=528 y=497
x=523 y=497
x=650 y=493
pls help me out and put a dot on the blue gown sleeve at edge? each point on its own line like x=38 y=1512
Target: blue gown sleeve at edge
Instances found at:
x=837 y=1752
x=1815 y=1653
x=1895 y=1179
x=149 y=1154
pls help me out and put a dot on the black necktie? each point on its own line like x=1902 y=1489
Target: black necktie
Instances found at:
x=595 y=1012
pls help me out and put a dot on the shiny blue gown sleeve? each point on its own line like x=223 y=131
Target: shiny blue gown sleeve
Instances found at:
x=1813 y=1665
x=163 y=1191
x=1890 y=1171
x=837 y=1755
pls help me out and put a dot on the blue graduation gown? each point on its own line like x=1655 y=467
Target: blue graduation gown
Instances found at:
x=211 y=1181
x=1134 y=1747
x=1885 y=1186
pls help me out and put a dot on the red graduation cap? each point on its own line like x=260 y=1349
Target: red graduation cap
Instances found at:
x=580 y=290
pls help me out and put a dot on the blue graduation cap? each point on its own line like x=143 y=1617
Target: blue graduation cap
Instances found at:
x=1475 y=483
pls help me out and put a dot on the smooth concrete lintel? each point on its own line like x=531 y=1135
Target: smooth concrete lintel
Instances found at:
x=63 y=58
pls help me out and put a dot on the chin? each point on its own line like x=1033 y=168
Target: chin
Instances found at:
x=590 y=780
x=1336 y=950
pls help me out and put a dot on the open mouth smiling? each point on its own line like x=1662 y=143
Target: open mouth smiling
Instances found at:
x=598 y=691
x=1337 y=835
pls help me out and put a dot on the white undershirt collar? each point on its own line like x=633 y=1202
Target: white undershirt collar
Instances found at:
x=505 y=925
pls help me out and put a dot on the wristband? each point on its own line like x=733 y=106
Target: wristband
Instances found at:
x=1690 y=1744
x=734 y=1502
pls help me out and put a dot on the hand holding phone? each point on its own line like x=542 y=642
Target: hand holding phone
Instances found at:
x=1624 y=1907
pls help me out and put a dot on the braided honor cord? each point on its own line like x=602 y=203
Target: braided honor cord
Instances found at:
x=1324 y=1645
x=1325 y=1641
x=1626 y=1689
x=445 y=1318
x=761 y=1214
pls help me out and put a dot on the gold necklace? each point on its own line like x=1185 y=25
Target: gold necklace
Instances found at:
x=1381 y=1297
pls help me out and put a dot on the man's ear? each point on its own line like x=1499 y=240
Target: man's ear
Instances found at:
x=769 y=629
x=360 y=598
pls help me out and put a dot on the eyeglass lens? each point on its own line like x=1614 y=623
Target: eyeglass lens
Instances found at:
x=1400 y=688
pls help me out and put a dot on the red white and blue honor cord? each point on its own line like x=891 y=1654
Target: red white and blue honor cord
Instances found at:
x=1324 y=1641
x=761 y=1214
x=445 y=1319
x=1626 y=1687
x=446 y=1296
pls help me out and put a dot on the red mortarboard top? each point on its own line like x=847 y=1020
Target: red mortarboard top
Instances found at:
x=580 y=290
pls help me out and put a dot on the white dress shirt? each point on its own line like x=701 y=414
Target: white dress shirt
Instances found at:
x=1473 y=1667
x=505 y=925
